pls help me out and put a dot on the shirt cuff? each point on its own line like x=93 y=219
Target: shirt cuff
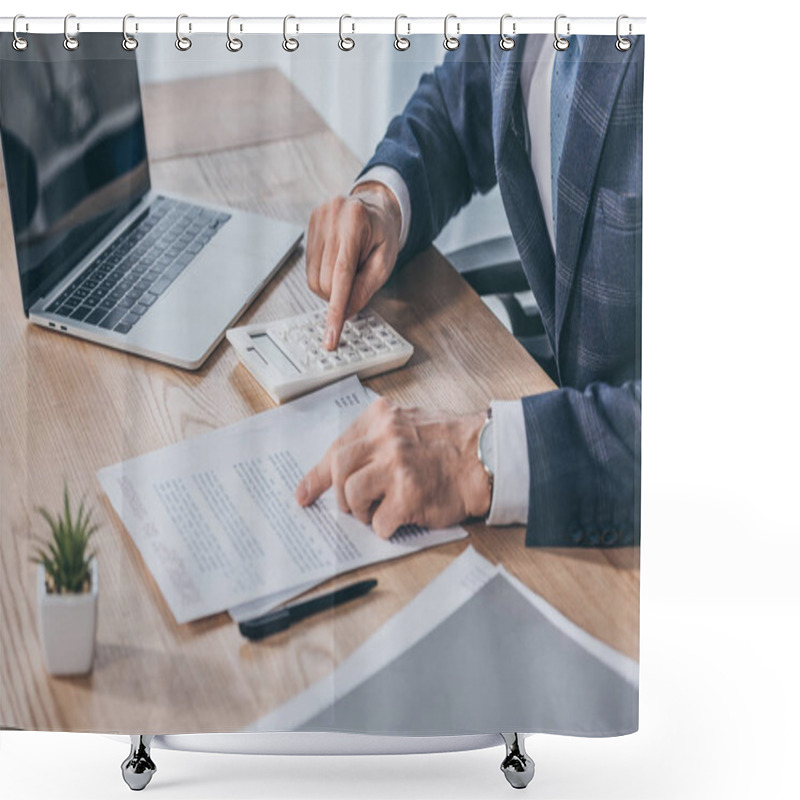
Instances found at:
x=510 y=494
x=393 y=180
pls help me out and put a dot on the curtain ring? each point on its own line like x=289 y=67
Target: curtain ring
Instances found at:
x=506 y=42
x=183 y=43
x=289 y=44
x=70 y=42
x=451 y=42
x=401 y=42
x=560 y=43
x=622 y=44
x=233 y=44
x=18 y=43
x=128 y=42
x=345 y=42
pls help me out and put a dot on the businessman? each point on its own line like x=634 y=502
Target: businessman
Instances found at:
x=561 y=134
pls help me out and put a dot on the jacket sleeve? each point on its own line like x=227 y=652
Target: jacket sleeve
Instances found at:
x=584 y=450
x=441 y=144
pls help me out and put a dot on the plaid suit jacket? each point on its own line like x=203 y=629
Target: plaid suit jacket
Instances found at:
x=465 y=130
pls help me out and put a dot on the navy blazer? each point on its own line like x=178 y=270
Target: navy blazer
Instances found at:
x=465 y=130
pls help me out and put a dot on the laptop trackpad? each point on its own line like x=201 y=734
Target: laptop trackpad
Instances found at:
x=208 y=296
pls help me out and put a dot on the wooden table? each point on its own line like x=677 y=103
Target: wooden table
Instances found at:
x=69 y=408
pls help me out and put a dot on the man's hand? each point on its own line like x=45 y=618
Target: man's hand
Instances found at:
x=351 y=248
x=399 y=466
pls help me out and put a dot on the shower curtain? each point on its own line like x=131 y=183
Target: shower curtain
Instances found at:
x=463 y=461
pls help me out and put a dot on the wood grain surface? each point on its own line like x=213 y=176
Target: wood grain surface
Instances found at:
x=69 y=408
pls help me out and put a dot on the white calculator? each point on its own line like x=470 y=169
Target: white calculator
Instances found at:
x=287 y=357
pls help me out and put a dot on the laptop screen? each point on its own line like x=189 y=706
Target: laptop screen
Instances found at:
x=74 y=150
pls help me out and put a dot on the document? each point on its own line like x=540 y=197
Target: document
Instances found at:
x=216 y=520
x=476 y=650
x=261 y=605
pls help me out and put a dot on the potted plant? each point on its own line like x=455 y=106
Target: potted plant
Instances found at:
x=67 y=591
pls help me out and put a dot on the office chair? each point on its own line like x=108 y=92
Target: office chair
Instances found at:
x=492 y=267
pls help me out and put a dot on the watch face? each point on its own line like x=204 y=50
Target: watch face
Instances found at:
x=487 y=446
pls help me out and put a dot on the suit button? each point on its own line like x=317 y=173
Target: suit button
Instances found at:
x=593 y=539
x=609 y=537
x=577 y=537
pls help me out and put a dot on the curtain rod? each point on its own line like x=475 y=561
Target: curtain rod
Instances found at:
x=406 y=26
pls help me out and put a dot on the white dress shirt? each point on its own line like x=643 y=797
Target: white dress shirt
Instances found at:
x=512 y=470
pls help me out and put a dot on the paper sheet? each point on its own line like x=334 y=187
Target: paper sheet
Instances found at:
x=261 y=605
x=476 y=650
x=215 y=518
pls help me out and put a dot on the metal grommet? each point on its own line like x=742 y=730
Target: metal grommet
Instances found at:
x=623 y=44
x=70 y=42
x=18 y=43
x=451 y=42
x=183 y=43
x=401 y=42
x=289 y=44
x=233 y=44
x=128 y=42
x=345 y=42
x=506 y=42
x=560 y=43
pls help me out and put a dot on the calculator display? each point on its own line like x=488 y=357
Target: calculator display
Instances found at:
x=272 y=354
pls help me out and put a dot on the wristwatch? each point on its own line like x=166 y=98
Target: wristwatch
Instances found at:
x=486 y=454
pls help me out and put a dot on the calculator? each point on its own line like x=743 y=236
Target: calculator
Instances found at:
x=287 y=357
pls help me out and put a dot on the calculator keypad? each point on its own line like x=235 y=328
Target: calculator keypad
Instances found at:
x=363 y=338
x=287 y=357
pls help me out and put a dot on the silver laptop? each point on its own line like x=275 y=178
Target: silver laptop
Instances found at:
x=102 y=255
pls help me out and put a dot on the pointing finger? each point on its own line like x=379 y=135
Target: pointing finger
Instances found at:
x=315 y=482
x=343 y=274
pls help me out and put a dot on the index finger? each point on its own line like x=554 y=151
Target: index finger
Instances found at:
x=315 y=482
x=344 y=272
x=318 y=479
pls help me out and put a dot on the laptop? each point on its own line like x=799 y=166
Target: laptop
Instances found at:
x=102 y=255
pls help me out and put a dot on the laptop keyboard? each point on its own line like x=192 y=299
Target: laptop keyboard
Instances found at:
x=124 y=281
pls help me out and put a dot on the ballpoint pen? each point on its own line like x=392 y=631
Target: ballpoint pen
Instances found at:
x=282 y=618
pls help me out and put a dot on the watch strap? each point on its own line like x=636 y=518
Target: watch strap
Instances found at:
x=481 y=458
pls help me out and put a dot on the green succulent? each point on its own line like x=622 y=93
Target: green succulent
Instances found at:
x=65 y=560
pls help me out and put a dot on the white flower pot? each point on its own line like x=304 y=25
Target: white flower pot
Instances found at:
x=67 y=626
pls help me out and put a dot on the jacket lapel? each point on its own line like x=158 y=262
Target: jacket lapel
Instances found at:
x=516 y=181
x=597 y=84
